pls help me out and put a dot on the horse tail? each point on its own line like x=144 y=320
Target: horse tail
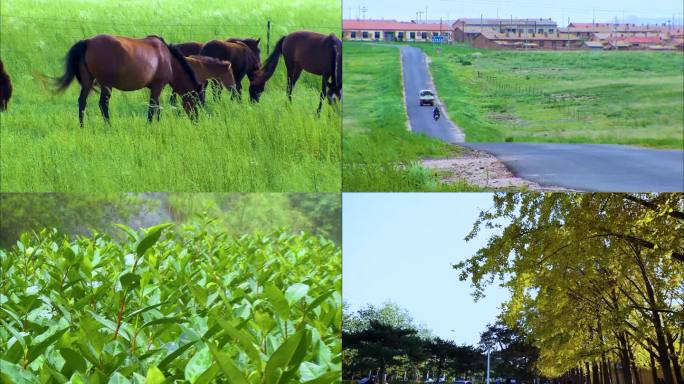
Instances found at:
x=74 y=58
x=271 y=62
x=336 y=62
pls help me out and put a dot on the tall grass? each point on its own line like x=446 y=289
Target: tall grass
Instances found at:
x=633 y=97
x=271 y=146
x=380 y=154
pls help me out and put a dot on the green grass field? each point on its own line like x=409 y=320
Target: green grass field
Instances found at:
x=271 y=146
x=380 y=154
x=634 y=97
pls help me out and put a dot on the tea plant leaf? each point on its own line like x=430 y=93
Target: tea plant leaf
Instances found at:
x=244 y=339
x=14 y=373
x=330 y=377
x=286 y=358
x=73 y=361
x=130 y=281
x=154 y=376
x=39 y=348
x=295 y=292
x=118 y=378
x=198 y=364
x=226 y=365
x=153 y=234
x=163 y=320
x=277 y=300
x=15 y=333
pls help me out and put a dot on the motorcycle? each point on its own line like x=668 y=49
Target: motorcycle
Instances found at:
x=436 y=115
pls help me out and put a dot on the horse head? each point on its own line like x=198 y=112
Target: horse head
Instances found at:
x=257 y=84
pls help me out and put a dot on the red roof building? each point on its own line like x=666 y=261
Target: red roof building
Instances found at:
x=392 y=30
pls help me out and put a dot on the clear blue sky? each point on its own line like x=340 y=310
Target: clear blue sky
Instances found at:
x=576 y=10
x=400 y=247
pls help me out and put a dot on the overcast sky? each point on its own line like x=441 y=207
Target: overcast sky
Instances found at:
x=576 y=10
x=400 y=247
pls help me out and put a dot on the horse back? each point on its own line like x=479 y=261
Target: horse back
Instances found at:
x=5 y=87
x=126 y=63
x=237 y=53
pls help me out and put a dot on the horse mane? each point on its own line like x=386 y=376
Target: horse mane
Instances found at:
x=337 y=60
x=178 y=55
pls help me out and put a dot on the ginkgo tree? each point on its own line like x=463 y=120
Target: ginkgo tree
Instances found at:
x=596 y=280
x=171 y=304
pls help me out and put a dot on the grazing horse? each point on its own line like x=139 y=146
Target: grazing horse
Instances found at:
x=309 y=51
x=207 y=68
x=253 y=44
x=191 y=48
x=244 y=60
x=128 y=64
x=5 y=88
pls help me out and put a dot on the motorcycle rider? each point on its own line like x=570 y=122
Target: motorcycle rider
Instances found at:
x=436 y=114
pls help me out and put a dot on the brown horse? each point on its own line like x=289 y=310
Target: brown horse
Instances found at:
x=244 y=60
x=309 y=51
x=207 y=68
x=253 y=44
x=191 y=48
x=5 y=88
x=128 y=64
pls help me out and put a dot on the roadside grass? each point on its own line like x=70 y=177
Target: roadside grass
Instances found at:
x=632 y=97
x=380 y=154
x=271 y=146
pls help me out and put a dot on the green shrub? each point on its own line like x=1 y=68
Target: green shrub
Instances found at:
x=194 y=306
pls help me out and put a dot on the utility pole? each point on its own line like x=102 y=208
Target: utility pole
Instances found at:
x=364 y=9
x=426 y=18
x=489 y=352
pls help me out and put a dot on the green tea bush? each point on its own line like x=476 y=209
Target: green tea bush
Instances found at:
x=191 y=305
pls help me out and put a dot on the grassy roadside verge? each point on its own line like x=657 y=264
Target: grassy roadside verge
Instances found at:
x=633 y=98
x=379 y=153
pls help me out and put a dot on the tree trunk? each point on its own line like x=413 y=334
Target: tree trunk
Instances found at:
x=663 y=358
x=624 y=358
x=635 y=370
x=675 y=359
x=596 y=377
x=654 y=369
x=605 y=370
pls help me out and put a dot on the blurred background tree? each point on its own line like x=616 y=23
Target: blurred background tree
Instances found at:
x=238 y=213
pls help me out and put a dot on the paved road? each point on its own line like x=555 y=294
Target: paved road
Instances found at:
x=585 y=167
x=417 y=78
x=592 y=167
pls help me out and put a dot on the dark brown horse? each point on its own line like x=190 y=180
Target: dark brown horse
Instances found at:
x=5 y=88
x=128 y=64
x=253 y=44
x=309 y=51
x=245 y=61
x=191 y=48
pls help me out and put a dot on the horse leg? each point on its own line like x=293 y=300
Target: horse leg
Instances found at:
x=155 y=92
x=292 y=77
x=105 y=94
x=324 y=86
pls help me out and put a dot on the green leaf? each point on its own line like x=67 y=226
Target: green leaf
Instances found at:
x=38 y=349
x=163 y=320
x=73 y=361
x=277 y=300
x=229 y=369
x=118 y=378
x=130 y=281
x=173 y=355
x=245 y=341
x=129 y=231
x=208 y=375
x=286 y=359
x=330 y=377
x=320 y=299
x=142 y=310
x=154 y=376
x=14 y=373
x=150 y=238
x=198 y=364
x=15 y=333
x=295 y=292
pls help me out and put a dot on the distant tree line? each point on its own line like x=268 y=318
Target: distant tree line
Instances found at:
x=385 y=343
x=238 y=213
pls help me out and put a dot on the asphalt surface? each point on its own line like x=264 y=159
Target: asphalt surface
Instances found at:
x=584 y=167
x=417 y=78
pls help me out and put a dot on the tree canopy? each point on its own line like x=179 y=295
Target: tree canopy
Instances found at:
x=595 y=279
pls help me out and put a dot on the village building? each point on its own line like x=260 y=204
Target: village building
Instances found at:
x=466 y=30
x=555 y=41
x=392 y=30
